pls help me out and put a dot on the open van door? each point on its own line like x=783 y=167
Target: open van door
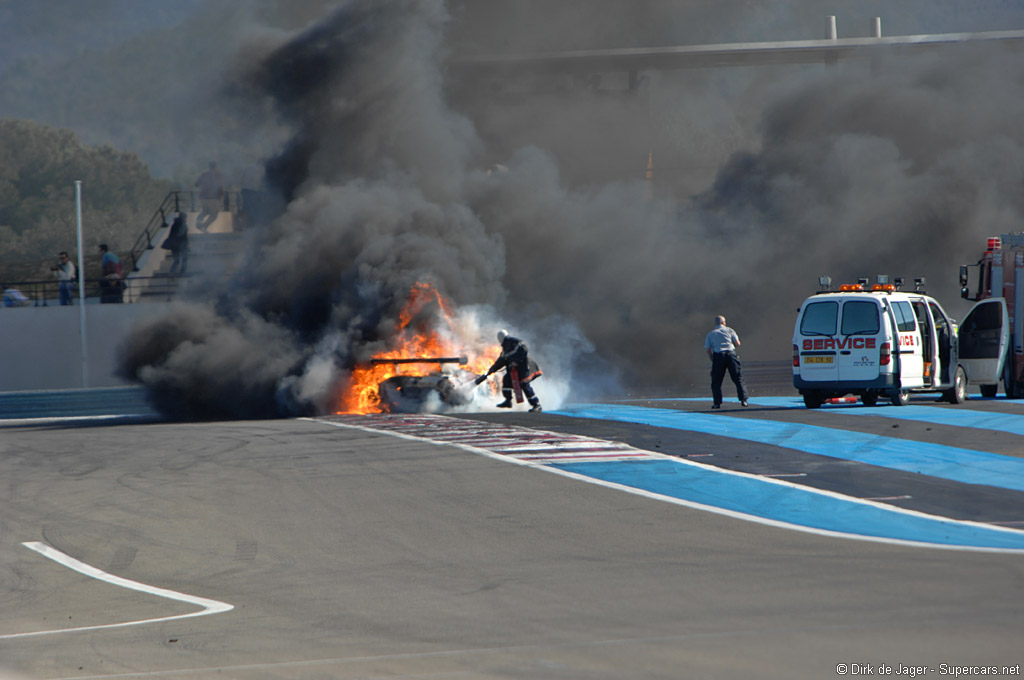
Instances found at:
x=984 y=336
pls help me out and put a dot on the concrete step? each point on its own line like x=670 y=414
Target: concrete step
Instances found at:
x=209 y=253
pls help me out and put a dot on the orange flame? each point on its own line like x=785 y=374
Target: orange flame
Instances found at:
x=436 y=337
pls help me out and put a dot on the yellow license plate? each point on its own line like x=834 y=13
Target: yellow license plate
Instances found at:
x=818 y=360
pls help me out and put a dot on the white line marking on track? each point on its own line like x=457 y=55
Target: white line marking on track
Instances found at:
x=600 y=455
x=519 y=443
x=549 y=450
x=209 y=606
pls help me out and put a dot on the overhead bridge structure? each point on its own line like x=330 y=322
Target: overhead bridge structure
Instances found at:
x=829 y=50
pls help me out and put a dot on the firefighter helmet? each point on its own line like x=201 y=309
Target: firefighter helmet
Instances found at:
x=502 y=334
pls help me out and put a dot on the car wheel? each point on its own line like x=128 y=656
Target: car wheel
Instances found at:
x=1013 y=388
x=958 y=393
x=869 y=398
x=989 y=391
x=899 y=397
x=812 y=399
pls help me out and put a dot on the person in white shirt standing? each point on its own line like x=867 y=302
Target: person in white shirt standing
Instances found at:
x=67 y=274
x=721 y=344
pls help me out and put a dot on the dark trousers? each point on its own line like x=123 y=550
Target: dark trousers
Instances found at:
x=111 y=291
x=720 y=363
x=526 y=387
x=179 y=261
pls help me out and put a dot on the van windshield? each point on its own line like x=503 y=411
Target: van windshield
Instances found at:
x=860 y=318
x=820 y=318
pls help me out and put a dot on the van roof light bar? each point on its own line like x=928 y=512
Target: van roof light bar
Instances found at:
x=882 y=284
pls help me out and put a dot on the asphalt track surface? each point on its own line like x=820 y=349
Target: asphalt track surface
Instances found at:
x=440 y=547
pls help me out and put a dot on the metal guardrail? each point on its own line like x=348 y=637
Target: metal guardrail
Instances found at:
x=46 y=293
x=174 y=202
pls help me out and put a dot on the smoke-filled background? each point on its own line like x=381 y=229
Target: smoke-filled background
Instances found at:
x=525 y=199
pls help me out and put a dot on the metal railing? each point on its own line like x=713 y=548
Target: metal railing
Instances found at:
x=46 y=293
x=173 y=202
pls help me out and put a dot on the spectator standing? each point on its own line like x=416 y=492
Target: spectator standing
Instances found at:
x=67 y=274
x=721 y=344
x=112 y=281
x=177 y=243
x=211 y=196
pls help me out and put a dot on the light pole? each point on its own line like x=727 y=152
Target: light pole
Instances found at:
x=81 y=285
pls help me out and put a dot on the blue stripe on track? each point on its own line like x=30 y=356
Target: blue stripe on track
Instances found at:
x=959 y=416
x=936 y=460
x=786 y=503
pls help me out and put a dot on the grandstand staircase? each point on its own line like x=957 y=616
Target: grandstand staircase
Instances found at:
x=213 y=256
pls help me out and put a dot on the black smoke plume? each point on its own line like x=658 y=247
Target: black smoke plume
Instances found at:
x=898 y=165
x=371 y=179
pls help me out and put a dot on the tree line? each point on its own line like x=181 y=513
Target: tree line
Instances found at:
x=39 y=165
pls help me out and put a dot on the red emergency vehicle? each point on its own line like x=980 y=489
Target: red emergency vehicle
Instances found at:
x=1000 y=276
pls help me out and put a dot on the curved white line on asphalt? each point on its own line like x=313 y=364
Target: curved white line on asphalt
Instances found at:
x=209 y=606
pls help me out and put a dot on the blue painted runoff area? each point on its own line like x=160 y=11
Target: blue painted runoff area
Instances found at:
x=957 y=416
x=936 y=460
x=748 y=495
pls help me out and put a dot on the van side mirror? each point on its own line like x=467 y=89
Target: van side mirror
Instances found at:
x=964 y=292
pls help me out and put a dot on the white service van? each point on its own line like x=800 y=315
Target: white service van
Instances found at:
x=883 y=342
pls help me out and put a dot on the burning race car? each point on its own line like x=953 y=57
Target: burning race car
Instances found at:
x=419 y=393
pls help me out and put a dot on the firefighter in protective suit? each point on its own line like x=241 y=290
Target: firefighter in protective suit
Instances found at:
x=519 y=367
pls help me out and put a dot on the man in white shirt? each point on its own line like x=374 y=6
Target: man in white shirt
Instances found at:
x=66 y=275
x=721 y=344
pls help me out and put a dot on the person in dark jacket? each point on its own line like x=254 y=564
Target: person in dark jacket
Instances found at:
x=177 y=243
x=515 y=357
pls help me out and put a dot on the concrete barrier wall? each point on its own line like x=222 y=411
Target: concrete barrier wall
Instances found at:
x=40 y=347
